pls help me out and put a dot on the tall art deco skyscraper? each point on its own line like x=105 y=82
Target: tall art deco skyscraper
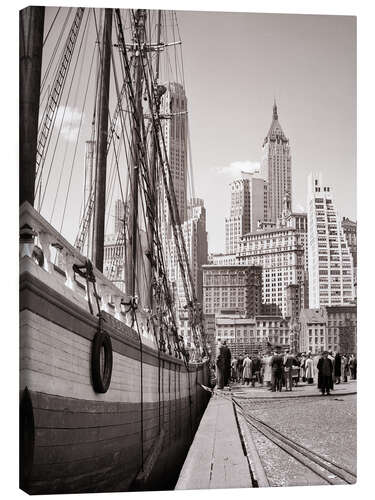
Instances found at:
x=276 y=167
x=174 y=114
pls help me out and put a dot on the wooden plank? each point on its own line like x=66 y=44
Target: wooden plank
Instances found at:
x=216 y=458
x=37 y=297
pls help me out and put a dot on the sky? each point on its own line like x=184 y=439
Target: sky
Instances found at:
x=235 y=65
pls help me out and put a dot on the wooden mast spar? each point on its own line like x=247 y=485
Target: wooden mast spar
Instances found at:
x=101 y=158
x=131 y=264
x=31 y=48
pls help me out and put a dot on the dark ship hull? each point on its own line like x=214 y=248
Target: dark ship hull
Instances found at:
x=136 y=435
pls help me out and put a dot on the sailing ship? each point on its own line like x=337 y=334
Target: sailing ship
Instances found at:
x=110 y=394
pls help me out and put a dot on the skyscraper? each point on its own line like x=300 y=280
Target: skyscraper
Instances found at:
x=276 y=167
x=173 y=112
x=248 y=207
x=331 y=280
x=195 y=236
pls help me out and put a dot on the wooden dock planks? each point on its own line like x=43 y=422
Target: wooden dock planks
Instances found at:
x=216 y=458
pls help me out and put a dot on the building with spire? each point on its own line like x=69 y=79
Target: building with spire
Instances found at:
x=276 y=167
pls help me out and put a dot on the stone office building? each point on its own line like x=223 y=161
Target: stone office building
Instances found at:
x=232 y=287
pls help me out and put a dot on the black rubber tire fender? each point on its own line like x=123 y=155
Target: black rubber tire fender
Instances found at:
x=101 y=381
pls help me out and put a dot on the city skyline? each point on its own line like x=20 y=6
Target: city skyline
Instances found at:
x=230 y=93
x=307 y=63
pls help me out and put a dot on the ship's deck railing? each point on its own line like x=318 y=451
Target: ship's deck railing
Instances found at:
x=57 y=257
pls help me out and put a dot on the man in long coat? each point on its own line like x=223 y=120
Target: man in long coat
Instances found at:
x=277 y=366
x=220 y=365
x=227 y=362
x=325 y=369
x=337 y=368
x=289 y=362
x=247 y=370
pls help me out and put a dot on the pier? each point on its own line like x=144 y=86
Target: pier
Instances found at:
x=252 y=437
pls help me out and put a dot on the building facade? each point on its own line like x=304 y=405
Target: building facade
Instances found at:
x=341 y=328
x=281 y=254
x=248 y=208
x=236 y=288
x=239 y=333
x=350 y=230
x=331 y=274
x=222 y=259
x=313 y=331
x=251 y=335
x=332 y=328
x=195 y=237
x=276 y=167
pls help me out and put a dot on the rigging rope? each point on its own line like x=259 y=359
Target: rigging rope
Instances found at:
x=52 y=24
x=41 y=199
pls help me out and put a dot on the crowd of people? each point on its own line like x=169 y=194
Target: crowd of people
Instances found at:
x=277 y=369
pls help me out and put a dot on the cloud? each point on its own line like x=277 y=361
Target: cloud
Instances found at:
x=70 y=118
x=234 y=169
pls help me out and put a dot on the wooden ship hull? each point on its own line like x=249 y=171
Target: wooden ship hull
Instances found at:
x=136 y=435
x=108 y=398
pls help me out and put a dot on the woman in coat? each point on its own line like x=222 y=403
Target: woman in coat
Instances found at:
x=309 y=367
x=247 y=372
x=344 y=367
x=267 y=374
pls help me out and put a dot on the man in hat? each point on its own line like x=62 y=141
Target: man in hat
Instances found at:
x=227 y=362
x=220 y=365
x=325 y=369
x=337 y=365
x=277 y=366
x=289 y=361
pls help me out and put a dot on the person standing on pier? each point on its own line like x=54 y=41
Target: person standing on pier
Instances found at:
x=325 y=370
x=309 y=367
x=234 y=369
x=220 y=365
x=247 y=370
x=289 y=361
x=337 y=366
x=255 y=368
x=227 y=362
x=353 y=367
x=344 y=367
x=303 y=367
x=239 y=368
x=277 y=366
x=267 y=374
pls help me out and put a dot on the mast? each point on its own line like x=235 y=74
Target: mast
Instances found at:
x=154 y=159
x=31 y=48
x=101 y=158
x=131 y=265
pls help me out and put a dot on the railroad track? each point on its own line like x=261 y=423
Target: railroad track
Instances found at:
x=329 y=471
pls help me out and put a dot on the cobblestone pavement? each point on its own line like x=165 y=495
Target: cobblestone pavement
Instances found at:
x=324 y=424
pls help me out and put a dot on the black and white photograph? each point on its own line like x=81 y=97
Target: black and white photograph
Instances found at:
x=187 y=249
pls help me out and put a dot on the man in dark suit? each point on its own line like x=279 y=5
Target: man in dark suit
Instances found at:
x=277 y=367
x=325 y=369
x=225 y=351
